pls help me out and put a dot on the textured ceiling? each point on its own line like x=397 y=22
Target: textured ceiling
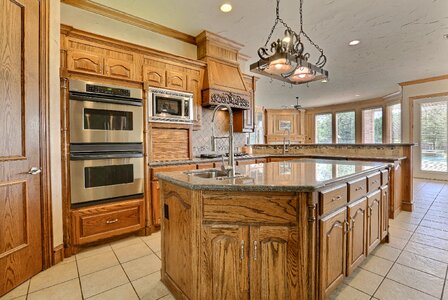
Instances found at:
x=401 y=40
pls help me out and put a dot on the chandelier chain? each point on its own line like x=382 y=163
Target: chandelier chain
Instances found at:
x=303 y=32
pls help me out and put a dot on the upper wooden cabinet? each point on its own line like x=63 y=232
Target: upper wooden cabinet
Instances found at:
x=176 y=79
x=279 y=120
x=85 y=62
x=119 y=68
x=154 y=76
x=244 y=120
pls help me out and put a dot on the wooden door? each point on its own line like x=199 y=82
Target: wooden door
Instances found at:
x=194 y=86
x=332 y=252
x=155 y=202
x=176 y=79
x=154 y=76
x=384 y=211
x=82 y=62
x=224 y=262
x=373 y=220
x=20 y=202
x=119 y=68
x=357 y=234
x=273 y=267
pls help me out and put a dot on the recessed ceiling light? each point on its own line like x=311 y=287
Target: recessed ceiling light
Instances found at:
x=445 y=36
x=354 y=42
x=226 y=7
x=325 y=80
x=357 y=95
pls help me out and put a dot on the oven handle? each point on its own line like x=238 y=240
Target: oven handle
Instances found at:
x=90 y=156
x=95 y=98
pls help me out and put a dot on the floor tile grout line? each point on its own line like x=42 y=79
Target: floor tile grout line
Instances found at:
x=124 y=271
x=444 y=284
x=401 y=251
x=79 y=278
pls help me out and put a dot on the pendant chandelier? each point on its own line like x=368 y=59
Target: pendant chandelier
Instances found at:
x=286 y=59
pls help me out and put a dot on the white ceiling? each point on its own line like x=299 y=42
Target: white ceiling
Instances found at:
x=401 y=40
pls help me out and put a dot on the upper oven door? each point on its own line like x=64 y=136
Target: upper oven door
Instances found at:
x=102 y=122
x=94 y=178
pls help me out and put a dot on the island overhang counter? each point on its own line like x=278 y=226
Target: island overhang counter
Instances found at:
x=281 y=230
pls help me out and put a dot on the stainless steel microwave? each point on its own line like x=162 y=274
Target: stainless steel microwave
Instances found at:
x=170 y=106
x=105 y=113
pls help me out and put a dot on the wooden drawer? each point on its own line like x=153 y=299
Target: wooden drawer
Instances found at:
x=332 y=199
x=357 y=189
x=156 y=170
x=245 y=162
x=373 y=182
x=104 y=221
x=206 y=166
x=261 y=160
x=384 y=177
x=250 y=208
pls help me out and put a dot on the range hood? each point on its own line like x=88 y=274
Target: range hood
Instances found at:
x=223 y=80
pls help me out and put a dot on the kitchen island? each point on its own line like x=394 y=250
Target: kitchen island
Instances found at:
x=280 y=230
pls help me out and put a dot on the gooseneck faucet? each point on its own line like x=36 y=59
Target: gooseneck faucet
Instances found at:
x=285 y=147
x=231 y=165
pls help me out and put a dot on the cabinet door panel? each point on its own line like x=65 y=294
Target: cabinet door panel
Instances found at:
x=273 y=266
x=119 y=68
x=373 y=221
x=332 y=251
x=176 y=80
x=194 y=86
x=384 y=211
x=154 y=76
x=224 y=266
x=85 y=62
x=357 y=234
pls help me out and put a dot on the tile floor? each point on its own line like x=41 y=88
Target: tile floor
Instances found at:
x=412 y=266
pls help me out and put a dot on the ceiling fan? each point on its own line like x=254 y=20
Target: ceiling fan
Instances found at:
x=296 y=106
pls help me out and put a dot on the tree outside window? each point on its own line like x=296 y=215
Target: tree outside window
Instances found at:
x=324 y=129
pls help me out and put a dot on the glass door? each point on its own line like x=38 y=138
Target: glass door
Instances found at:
x=430 y=136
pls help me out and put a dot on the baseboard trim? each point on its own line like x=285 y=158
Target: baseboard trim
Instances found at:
x=58 y=254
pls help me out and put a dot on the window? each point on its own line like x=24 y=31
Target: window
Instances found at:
x=324 y=128
x=394 y=124
x=372 y=126
x=345 y=127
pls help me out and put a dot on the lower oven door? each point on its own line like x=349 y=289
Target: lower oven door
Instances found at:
x=101 y=177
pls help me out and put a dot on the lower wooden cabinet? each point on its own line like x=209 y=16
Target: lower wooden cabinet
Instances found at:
x=333 y=251
x=249 y=260
x=155 y=202
x=98 y=222
x=356 y=237
x=384 y=211
x=373 y=220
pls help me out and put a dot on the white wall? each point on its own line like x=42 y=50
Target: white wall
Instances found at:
x=409 y=91
x=94 y=23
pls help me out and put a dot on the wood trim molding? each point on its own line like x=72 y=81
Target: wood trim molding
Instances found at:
x=115 y=14
x=47 y=222
x=58 y=254
x=424 y=80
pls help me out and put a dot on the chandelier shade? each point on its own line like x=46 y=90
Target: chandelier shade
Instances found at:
x=286 y=59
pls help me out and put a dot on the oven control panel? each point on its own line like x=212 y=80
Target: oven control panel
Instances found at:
x=99 y=89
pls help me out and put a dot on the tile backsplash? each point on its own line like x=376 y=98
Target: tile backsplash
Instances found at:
x=202 y=138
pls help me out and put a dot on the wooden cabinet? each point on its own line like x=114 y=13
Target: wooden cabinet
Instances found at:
x=277 y=120
x=357 y=234
x=154 y=76
x=194 y=85
x=373 y=220
x=98 y=222
x=225 y=258
x=176 y=79
x=333 y=251
x=119 y=68
x=384 y=211
x=273 y=270
x=244 y=120
x=84 y=62
x=245 y=162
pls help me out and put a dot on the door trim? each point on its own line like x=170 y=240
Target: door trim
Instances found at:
x=47 y=220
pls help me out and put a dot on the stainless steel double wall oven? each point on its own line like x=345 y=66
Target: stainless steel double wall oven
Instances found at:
x=106 y=142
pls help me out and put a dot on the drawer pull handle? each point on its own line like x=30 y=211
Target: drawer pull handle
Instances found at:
x=112 y=221
x=359 y=189
x=375 y=182
x=255 y=249
x=336 y=198
x=242 y=250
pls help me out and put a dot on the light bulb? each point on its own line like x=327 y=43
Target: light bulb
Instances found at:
x=226 y=7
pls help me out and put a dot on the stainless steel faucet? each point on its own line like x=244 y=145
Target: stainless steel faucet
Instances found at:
x=285 y=147
x=231 y=165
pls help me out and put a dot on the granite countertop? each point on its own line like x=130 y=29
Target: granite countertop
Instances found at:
x=302 y=175
x=198 y=160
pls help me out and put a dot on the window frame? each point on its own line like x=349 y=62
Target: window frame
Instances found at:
x=332 y=127
x=383 y=123
x=335 y=140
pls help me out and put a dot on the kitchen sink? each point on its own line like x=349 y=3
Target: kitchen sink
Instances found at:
x=213 y=174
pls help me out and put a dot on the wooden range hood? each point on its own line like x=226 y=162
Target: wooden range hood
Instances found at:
x=223 y=80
